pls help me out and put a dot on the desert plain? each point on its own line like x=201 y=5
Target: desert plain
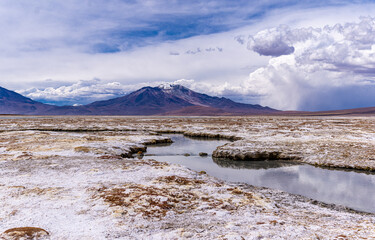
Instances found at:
x=79 y=178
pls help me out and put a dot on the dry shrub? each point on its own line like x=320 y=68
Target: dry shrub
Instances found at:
x=95 y=138
x=82 y=149
x=41 y=191
x=179 y=180
x=156 y=202
x=144 y=162
x=109 y=157
x=153 y=202
x=147 y=201
x=25 y=233
x=238 y=191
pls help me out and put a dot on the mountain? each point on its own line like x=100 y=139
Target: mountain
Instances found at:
x=14 y=103
x=162 y=100
x=172 y=100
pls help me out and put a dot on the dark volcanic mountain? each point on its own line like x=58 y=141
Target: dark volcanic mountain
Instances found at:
x=166 y=100
x=173 y=100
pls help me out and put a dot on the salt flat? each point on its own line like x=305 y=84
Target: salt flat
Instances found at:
x=72 y=176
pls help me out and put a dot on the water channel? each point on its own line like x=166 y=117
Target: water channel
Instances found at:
x=349 y=188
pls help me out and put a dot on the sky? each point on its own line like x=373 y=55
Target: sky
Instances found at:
x=285 y=54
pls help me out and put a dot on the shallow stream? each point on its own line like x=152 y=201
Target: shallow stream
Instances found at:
x=349 y=188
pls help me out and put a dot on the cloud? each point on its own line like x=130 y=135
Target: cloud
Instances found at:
x=144 y=42
x=144 y=65
x=331 y=67
x=240 y=39
x=174 y=53
x=226 y=89
x=198 y=50
x=273 y=42
x=105 y=26
x=82 y=92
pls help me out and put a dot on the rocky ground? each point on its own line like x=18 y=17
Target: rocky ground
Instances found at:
x=72 y=178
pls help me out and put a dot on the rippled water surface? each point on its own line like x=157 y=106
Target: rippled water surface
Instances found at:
x=349 y=188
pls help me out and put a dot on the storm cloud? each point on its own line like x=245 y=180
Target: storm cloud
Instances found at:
x=331 y=67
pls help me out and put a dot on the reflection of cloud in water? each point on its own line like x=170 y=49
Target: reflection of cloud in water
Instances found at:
x=227 y=163
x=348 y=188
x=182 y=145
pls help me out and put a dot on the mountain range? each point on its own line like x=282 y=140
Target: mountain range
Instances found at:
x=162 y=100
x=165 y=100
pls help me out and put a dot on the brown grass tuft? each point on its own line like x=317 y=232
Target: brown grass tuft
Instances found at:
x=179 y=180
x=26 y=233
x=148 y=201
x=82 y=149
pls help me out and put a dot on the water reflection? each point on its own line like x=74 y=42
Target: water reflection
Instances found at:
x=227 y=163
x=349 y=188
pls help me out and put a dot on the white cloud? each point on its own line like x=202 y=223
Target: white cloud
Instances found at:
x=82 y=92
x=327 y=66
x=273 y=42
